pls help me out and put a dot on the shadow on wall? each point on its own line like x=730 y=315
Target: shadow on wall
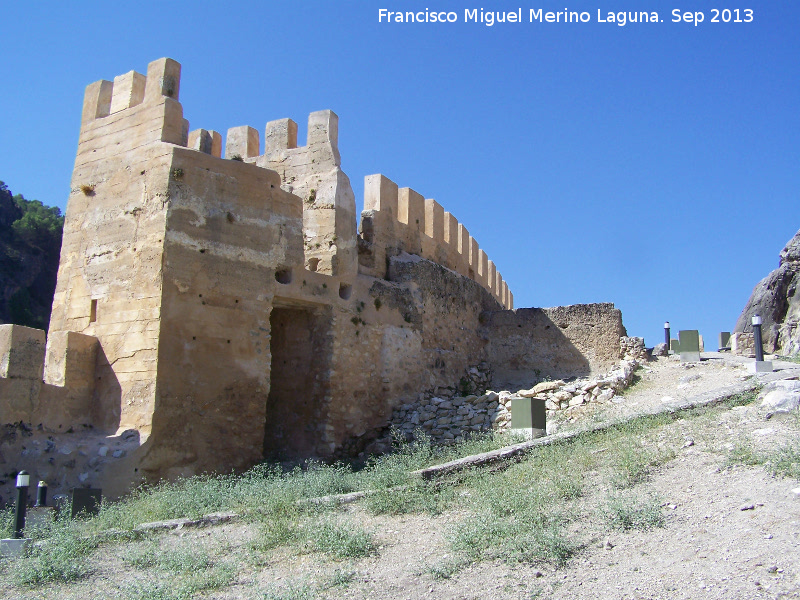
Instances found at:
x=534 y=344
x=106 y=407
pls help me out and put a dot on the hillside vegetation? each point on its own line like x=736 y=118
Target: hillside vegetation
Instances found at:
x=30 y=244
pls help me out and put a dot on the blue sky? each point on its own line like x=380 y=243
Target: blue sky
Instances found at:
x=655 y=165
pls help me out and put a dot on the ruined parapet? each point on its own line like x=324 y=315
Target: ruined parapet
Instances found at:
x=50 y=384
x=67 y=399
x=312 y=172
x=22 y=352
x=401 y=220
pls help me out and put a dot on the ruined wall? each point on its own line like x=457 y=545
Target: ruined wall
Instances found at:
x=528 y=344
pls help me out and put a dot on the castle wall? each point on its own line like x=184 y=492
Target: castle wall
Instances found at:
x=211 y=312
x=398 y=220
x=528 y=344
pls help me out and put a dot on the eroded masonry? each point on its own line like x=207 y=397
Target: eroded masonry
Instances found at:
x=216 y=308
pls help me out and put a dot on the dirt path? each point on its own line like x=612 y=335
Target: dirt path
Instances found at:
x=730 y=532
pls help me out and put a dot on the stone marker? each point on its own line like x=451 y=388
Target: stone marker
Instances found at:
x=13 y=547
x=529 y=417
x=86 y=500
x=689 y=345
x=724 y=340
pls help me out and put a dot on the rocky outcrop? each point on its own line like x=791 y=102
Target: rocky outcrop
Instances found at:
x=776 y=300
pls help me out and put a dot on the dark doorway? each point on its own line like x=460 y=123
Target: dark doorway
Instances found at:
x=299 y=380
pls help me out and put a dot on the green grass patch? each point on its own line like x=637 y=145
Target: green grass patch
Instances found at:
x=340 y=540
x=62 y=557
x=631 y=510
x=784 y=461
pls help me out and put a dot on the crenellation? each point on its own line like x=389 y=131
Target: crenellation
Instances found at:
x=280 y=134
x=97 y=100
x=491 y=277
x=380 y=193
x=323 y=128
x=208 y=142
x=241 y=142
x=483 y=268
x=128 y=91
x=163 y=79
x=411 y=213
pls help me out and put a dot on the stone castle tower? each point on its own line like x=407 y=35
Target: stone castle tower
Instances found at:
x=227 y=309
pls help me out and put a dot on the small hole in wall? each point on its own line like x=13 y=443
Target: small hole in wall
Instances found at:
x=345 y=290
x=229 y=341
x=93 y=311
x=313 y=263
x=202 y=250
x=283 y=276
x=194 y=337
x=199 y=295
x=237 y=302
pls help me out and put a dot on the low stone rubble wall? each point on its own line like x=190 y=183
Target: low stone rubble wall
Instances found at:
x=450 y=418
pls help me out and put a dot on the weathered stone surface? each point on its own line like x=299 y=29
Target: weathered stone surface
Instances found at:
x=528 y=344
x=781 y=396
x=776 y=300
x=217 y=312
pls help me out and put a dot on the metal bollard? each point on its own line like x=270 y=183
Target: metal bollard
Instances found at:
x=41 y=495
x=757 y=338
x=23 y=481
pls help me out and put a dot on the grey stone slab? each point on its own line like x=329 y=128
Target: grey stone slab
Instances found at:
x=761 y=366
x=14 y=548
x=689 y=340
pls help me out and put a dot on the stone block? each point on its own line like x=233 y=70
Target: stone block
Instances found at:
x=241 y=141
x=163 y=79
x=208 y=142
x=280 y=135
x=724 y=340
x=529 y=416
x=12 y=548
x=22 y=352
x=128 y=91
x=380 y=193
x=761 y=366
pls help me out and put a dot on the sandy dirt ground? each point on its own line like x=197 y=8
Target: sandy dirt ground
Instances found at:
x=731 y=532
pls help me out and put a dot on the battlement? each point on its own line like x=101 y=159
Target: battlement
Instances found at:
x=132 y=111
x=312 y=172
x=400 y=219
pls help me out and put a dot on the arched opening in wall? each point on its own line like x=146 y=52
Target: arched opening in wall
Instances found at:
x=300 y=345
x=345 y=290
x=283 y=276
x=313 y=263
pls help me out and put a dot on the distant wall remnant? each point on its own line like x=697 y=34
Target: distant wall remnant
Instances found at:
x=531 y=344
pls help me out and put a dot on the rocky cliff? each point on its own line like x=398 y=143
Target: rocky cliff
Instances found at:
x=775 y=298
